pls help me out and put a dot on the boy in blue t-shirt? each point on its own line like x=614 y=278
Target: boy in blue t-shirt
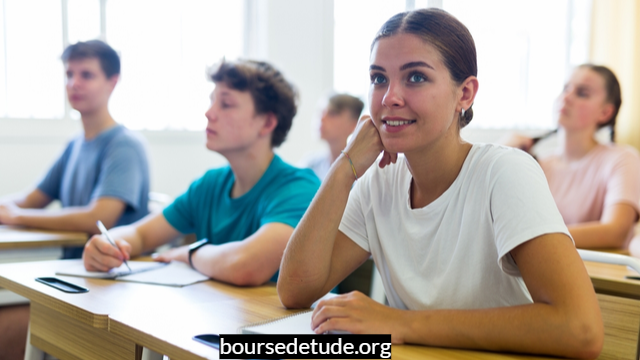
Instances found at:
x=102 y=174
x=243 y=214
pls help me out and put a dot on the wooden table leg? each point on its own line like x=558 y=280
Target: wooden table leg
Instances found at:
x=67 y=338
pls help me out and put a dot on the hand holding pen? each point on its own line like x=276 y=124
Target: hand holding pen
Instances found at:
x=106 y=234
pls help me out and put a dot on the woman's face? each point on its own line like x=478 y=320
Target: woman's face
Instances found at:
x=583 y=103
x=232 y=122
x=414 y=101
x=88 y=88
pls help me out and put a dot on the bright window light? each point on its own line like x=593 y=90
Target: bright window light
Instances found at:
x=356 y=24
x=165 y=48
x=83 y=20
x=32 y=77
x=522 y=59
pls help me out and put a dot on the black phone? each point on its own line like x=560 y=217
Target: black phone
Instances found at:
x=62 y=285
x=212 y=340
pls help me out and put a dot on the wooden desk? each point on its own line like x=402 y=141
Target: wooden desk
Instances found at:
x=170 y=332
x=76 y=325
x=19 y=244
x=116 y=319
x=610 y=279
x=14 y=237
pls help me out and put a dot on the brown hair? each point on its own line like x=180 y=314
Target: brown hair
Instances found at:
x=108 y=58
x=447 y=34
x=341 y=102
x=270 y=91
x=614 y=95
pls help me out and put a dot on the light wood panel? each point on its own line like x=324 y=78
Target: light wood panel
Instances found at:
x=621 y=319
x=14 y=237
x=68 y=338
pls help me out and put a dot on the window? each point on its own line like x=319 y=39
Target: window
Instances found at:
x=165 y=48
x=31 y=77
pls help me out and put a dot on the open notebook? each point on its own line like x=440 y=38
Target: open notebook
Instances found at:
x=148 y=272
x=299 y=323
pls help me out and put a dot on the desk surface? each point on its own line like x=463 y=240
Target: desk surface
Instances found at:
x=138 y=312
x=106 y=296
x=149 y=328
x=610 y=279
x=14 y=237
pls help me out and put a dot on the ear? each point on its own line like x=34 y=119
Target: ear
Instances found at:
x=467 y=93
x=270 y=123
x=113 y=80
x=605 y=113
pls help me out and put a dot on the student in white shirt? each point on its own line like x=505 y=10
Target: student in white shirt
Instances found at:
x=472 y=250
x=338 y=121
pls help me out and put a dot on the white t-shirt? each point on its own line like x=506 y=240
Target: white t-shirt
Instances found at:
x=454 y=252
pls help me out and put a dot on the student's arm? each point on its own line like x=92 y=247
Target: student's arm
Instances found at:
x=36 y=199
x=611 y=232
x=145 y=235
x=620 y=211
x=76 y=218
x=249 y=262
x=564 y=319
x=318 y=255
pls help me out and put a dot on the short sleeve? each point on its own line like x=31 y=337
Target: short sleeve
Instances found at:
x=290 y=203
x=122 y=174
x=623 y=185
x=181 y=214
x=353 y=223
x=52 y=181
x=522 y=206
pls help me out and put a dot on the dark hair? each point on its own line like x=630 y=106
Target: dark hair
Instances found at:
x=341 y=102
x=109 y=59
x=447 y=34
x=270 y=91
x=614 y=95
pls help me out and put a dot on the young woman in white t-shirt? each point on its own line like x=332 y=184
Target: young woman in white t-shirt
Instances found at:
x=596 y=186
x=470 y=246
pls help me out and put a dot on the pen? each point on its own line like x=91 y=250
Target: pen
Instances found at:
x=105 y=233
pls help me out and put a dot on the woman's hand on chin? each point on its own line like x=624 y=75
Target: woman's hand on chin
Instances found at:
x=366 y=145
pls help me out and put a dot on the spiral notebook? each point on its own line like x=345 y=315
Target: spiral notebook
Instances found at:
x=299 y=323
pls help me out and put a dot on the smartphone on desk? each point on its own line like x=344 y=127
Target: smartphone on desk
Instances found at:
x=62 y=285
x=212 y=340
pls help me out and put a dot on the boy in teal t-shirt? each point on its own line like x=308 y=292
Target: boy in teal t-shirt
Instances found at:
x=282 y=195
x=243 y=214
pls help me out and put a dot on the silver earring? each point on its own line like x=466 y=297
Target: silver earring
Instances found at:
x=462 y=112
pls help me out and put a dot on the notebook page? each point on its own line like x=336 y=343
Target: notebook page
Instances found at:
x=295 y=324
x=173 y=274
x=136 y=267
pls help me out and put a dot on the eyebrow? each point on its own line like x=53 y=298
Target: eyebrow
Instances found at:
x=416 y=64
x=405 y=66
